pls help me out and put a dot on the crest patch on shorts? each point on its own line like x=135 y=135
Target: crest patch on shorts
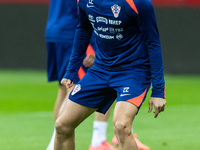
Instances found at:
x=76 y=89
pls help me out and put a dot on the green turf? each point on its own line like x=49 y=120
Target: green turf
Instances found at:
x=26 y=117
x=26 y=91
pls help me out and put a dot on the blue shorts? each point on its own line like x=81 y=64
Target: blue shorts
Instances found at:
x=99 y=88
x=58 y=55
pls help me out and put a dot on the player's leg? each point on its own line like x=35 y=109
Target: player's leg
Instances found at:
x=123 y=116
x=99 y=132
x=131 y=94
x=59 y=100
x=73 y=114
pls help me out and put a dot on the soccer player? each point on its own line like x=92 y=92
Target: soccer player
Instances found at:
x=128 y=59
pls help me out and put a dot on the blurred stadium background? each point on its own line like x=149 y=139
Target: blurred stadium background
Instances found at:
x=26 y=99
x=22 y=25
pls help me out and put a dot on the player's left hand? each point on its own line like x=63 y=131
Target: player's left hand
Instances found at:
x=159 y=105
x=89 y=60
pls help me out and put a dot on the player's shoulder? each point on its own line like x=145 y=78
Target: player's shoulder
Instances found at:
x=139 y=7
x=142 y=2
x=142 y=5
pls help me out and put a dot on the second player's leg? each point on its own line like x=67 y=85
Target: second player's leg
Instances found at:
x=59 y=100
x=123 y=116
x=65 y=100
x=99 y=130
x=72 y=115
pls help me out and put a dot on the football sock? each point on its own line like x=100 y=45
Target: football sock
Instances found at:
x=99 y=133
x=51 y=144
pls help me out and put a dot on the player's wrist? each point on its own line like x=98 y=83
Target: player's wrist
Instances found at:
x=158 y=95
x=69 y=76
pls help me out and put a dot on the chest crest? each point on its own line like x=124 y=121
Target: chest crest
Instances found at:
x=116 y=10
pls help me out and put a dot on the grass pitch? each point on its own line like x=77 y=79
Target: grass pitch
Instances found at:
x=26 y=116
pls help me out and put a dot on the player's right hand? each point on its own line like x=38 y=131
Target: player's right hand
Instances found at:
x=67 y=83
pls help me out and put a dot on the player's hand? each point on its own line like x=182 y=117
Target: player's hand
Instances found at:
x=89 y=60
x=67 y=83
x=159 y=105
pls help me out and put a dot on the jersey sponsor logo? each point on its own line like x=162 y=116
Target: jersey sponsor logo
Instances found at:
x=115 y=22
x=102 y=29
x=119 y=29
x=113 y=30
x=119 y=36
x=76 y=89
x=124 y=94
x=91 y=18
x=108 y=29
x=116 y=10
x=108 y=37
x=102 y=19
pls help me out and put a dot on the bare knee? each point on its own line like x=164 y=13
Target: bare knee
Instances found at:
x=121 y=127
x=63 y=130
x=122 y=130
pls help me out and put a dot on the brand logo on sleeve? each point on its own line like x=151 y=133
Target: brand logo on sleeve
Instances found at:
x=116 y=10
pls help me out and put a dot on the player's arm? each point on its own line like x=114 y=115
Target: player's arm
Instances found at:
x=81 y=42
x=147 y=23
